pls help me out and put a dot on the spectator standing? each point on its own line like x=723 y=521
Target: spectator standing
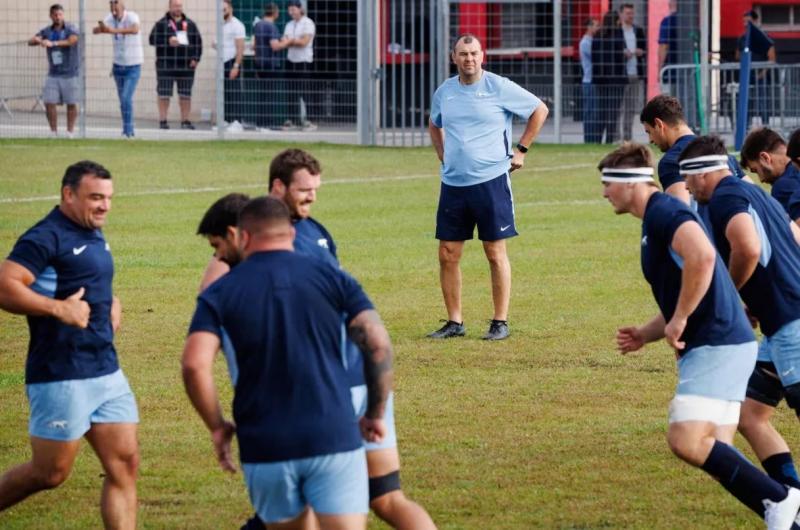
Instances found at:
x=178 y=49
x=635 y=50
x=763 y=49
x=233 y=34
x=62 y=86
x=298 y=39
x=668 y=46
x=124 y=26
x=268 y=63
x=588 y=89
x=608 y=74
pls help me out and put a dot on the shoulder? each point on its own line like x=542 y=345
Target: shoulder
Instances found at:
x=132 y=17
x=71 y=28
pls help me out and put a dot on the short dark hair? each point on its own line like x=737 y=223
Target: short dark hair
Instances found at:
x=760 y=140
x=467 y=38
x=270 y=10
x=666 y=108
x=704 y=146
x=628 y=155
x=56 y=7
x=222 y=214
x=262 y=213
x=752 y=14
x=287 y=162
x=626 y=6
x=78 y=170
x=793 y=149
x=590 y=22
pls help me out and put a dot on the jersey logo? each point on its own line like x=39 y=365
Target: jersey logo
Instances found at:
x=644 y=241
x=322 y=242
x=504 y=228
x=448 y=98
x=78 y=250
x=58 y=424
x=483 y=94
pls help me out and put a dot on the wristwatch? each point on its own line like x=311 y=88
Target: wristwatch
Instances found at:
x=522 y=149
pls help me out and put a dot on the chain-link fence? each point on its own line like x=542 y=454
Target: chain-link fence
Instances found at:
x=365 y=70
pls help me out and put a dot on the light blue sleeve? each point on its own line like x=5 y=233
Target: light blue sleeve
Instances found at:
x=517 y=100
x=436 y=108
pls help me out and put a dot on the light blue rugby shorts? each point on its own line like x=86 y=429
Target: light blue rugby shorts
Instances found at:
x=65 y=410
x=718 y=372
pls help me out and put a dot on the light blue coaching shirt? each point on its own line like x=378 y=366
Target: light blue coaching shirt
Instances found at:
x=477 y=126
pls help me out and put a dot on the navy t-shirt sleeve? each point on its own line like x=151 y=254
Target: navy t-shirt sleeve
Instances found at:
x=793 y=206
x=34 y=250
x=668 y=172
x=354 y=299
x=70 y=30
x=665 y=30
x=721 y=211
x=205 y=318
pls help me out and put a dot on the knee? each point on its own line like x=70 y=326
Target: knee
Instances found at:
x=449 y=255
x=387 y=504
x=128 y=465
x=51 y=477
x=750 y=424
x=687 y=449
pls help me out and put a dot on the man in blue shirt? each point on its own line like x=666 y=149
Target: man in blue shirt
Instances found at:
x=668 y=39
x=793 y=149
x=60 y=275
x=764 y=152
x=701 y=317
x=470 y=128
x=62 y=86
x=665 y=124
x=294 y=178
x=759 y=244
x=762 y=48
x=268 y=61
x=590 y=126
x=298 y=437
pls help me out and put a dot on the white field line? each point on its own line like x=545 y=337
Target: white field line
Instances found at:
x=207 y=189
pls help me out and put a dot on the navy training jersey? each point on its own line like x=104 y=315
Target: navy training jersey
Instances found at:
x=773 y=291
x=313 y=239
x=63 y=257
x=669 y=170
x=785 y=189
x=282 y=313
x=719 y=319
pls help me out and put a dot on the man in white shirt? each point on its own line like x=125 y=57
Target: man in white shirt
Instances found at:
x=233 y=34
x=123 y=25
x=635 y=53
x=298 y=39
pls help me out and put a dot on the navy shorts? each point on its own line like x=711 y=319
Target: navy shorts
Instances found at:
x=490 y=205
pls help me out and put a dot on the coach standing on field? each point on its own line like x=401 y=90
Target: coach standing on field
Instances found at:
x=470 y=129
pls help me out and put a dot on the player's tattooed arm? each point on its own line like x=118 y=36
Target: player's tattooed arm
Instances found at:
x=369 y=334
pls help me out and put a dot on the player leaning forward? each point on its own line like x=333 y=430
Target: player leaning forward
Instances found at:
x=470 y=129
x=702 y=318
x=59 y=274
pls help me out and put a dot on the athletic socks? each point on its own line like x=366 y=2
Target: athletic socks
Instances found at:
x=741 y=478
x=780 y=467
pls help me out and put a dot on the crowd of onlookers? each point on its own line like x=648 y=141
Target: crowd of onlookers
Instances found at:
x=179 y=48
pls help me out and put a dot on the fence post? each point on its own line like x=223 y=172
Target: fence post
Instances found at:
x=557 y=84
x=220 y=72
x=82 y=54
x=365 y=52
x=705 y=85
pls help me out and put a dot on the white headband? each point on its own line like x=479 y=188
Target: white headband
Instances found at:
x=633 y=174
x=703 y=164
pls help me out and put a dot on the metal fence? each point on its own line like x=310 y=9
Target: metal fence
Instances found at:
x=370 y=71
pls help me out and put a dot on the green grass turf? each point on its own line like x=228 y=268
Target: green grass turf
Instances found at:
x=549 y=429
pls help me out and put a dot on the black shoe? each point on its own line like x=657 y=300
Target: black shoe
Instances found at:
x=498 y=330
x=254 y=523
x=163 y=125
x=450 y=329
x=187 y=125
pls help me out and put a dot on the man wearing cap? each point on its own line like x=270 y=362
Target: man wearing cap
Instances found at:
x=701 y=317
x=298 y=39
x=759 y=244
x=470 y=128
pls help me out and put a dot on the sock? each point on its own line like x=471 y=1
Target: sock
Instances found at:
x=741 y=478
x=254 y=523
x=780 y=467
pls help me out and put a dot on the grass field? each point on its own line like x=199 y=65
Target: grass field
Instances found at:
x=549 y=429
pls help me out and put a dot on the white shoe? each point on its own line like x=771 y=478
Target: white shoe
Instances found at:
x=53 y=134
x=235 y=127
x=70 y=135
x=308 y=126
x=781 y=515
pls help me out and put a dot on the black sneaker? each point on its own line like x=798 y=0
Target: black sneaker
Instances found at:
x=450 y=329
x=187 y=125
x=498 y=330
x=163 y=125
